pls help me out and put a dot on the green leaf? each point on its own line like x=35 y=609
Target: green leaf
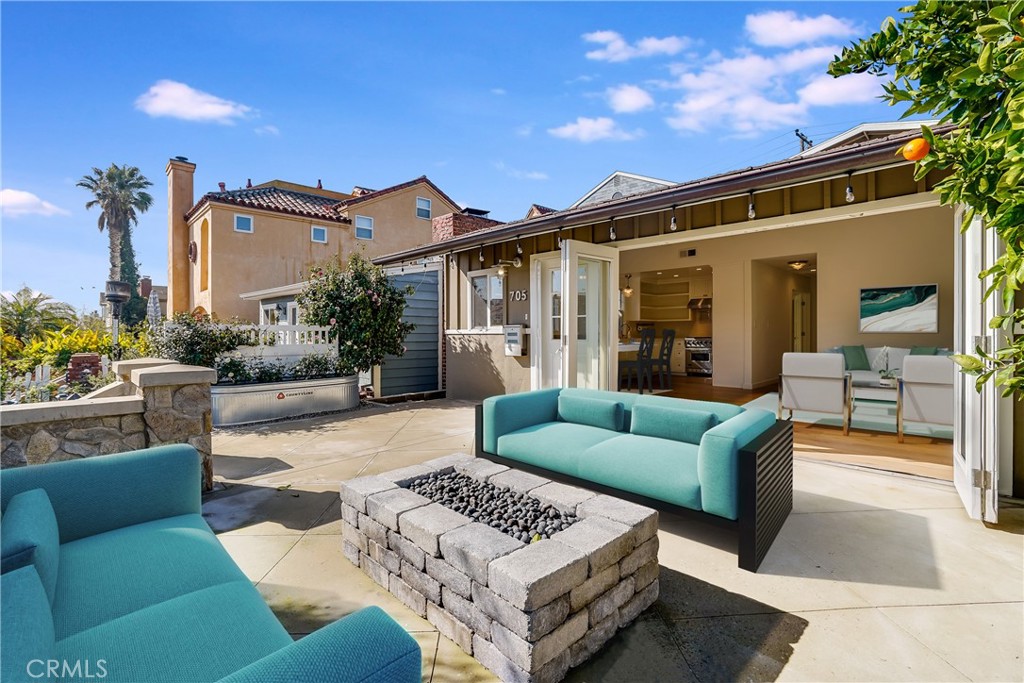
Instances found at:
x=1015 y=70
x=991 y=32
x=969 y=73
x=970 y=364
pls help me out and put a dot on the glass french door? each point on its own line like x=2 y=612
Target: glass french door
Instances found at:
x=575 y=314
x=977 y=416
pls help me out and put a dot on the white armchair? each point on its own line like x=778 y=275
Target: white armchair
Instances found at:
x=816 y=382
x=925 y=392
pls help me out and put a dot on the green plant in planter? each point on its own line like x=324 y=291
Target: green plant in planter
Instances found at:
x=315 y=365
x=263 y=370
x=233 y=370
x=362 y=309
x=891 y=373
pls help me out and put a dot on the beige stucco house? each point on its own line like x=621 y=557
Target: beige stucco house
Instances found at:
x=780 y=253
x=264 y=236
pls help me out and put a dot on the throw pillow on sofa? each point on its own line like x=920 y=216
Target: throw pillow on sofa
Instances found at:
x=596 y=412
x=677 y=424
x=924 y=350
x=856 y=358
x=29 y=535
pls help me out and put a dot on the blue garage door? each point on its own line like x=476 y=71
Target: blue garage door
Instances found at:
x=417 y=370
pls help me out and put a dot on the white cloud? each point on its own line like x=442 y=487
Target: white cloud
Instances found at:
x=826 y=91
x=785 y=29
x=498 y=91
x=752 y=92
x=589 y=130
x=267 y=130
x=617 y=49
x=518 y=174
x=626 y=99
x=180 y=101
x=22 y=203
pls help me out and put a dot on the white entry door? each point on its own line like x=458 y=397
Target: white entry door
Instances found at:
x=590 y=276
x=977 y=416
x=575 y=329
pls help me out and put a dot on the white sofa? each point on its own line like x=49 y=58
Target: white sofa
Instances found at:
x=925 y=392
x=815 y=382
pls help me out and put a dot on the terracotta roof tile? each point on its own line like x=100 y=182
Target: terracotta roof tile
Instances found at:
x=277 y=199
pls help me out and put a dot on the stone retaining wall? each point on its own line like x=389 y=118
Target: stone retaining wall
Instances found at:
x=165 y=403
x=526 y=612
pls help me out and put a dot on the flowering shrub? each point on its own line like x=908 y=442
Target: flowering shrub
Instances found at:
x=233 y=370
x=362 y=309
x=266 y=370
x=197 y=340
x=314 y=365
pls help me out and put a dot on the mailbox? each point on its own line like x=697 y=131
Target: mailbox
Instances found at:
x=514 y=341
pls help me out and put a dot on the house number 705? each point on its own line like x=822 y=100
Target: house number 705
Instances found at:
x=518 y=295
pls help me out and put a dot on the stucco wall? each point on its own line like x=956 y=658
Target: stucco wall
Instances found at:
x=478 y=367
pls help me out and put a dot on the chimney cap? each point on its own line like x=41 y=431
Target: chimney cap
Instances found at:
x=181 y=158
x=248 y=183
x=482 y=213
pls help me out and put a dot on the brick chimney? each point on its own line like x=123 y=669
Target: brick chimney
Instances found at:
x=223 y=187
x=180 y=198
x=455 y=224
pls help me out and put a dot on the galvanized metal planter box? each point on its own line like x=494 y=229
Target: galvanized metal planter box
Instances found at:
x=245 y=403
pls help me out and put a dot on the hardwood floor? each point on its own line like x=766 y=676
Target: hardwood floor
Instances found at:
x=917 y=455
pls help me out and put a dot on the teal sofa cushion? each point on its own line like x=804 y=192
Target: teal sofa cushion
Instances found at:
x=669 y=423
x=506 y=414
x=201 y=635
x=557 y=446
x=27 y=632
x=718 y=464
x=653 y=467
x=596 y=412
x=856 y=358
x=29 y=535
x=924 y=350
x=113 y=574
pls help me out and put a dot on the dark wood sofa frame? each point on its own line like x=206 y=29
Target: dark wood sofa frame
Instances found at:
x=765 y=495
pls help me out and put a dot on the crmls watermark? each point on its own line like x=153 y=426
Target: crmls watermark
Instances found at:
x=59 y=669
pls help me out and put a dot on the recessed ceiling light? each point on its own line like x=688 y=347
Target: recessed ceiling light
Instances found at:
x=676 y=275
x=699 y=268
x=659 y=272
x=814 y=270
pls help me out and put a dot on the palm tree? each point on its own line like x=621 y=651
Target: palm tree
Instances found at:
x=119 y=192
x=26 y=315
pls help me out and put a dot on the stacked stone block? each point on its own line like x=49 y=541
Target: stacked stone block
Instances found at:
x=526 y=612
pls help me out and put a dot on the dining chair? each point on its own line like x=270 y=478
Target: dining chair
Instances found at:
x=663 y=363
x=642 y=365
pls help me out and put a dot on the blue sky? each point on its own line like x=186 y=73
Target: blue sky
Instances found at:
x=501 y=104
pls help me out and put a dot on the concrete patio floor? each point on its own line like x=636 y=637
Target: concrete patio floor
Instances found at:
x=874 y=577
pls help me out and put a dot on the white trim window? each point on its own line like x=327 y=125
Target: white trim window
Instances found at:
x=486 y=300
x=364 y=227
x=243 y=223
x=423 y=208
x=318 y=234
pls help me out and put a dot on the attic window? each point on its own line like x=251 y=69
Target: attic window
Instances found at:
x=423 y=208
x=318 y=234
x=243 y=223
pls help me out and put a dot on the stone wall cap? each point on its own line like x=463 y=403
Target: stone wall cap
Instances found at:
x=123 y=368
x=173 y=375
x=31 y=413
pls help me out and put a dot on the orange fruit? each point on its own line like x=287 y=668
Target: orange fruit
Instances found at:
x=916 y=149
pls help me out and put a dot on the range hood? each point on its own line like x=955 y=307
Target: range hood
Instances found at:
x=700 y=304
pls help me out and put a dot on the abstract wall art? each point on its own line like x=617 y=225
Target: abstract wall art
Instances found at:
x=912 y=308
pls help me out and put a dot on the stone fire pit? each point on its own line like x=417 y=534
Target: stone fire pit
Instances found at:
x=526 y=611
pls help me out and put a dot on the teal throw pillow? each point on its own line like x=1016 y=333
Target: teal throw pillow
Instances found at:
x=29 y=535
x=596 y=412
x=677 y=424
x=924 y=350
x=856 y=358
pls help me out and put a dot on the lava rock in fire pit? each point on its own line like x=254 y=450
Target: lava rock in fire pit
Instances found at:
x=518 y=515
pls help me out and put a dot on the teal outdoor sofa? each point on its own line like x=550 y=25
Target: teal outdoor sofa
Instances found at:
x=726 y=464
x=110 y=573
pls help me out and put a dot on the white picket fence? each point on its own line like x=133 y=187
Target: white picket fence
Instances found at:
x=43 y=376
x=288 y=343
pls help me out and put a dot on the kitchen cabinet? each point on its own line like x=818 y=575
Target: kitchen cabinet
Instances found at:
x=678 y=363
x=700 y=287
x=665 y=301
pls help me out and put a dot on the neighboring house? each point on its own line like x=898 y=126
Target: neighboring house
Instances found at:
x=265 y=236
x=616 y=186
x=782 y=250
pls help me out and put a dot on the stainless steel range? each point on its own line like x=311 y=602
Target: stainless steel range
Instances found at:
x=698 y=356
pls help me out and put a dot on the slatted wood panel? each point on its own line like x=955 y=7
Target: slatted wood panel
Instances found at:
x=766 y=492
x=417 y=370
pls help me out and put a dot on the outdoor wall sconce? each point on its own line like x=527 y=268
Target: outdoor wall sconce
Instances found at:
x=850 y=197
x=751 y=213
x=519 y=247
x=628 y=291
x=673 y=226
x=481 y=253
x=611 y=231
x=503 y=265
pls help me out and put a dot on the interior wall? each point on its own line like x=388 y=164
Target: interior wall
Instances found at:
x=904 y=248
x=772 y=290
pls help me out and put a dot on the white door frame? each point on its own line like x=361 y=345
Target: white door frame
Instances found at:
x=982 y=421
x=538 y=313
